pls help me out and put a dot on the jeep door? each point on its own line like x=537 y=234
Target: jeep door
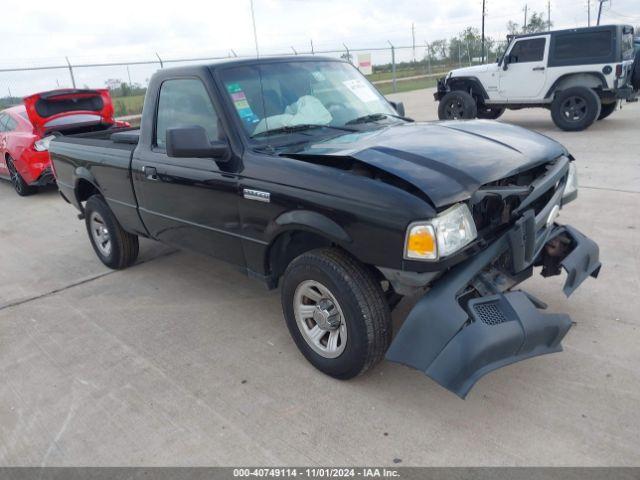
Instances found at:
x=191 y=203
x=524 y=76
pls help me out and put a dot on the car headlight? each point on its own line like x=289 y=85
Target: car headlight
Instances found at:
x=42 y=145
x=571 y=187
x=441 y=236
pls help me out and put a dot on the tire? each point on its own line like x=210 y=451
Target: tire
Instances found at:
x=575 y=109
x=490 y=113
x=344 y=288
x=115 y=247
x=457 y=105
x=607 y=109
x=21 y=187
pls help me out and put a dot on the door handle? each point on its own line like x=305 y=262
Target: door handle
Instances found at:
x=537 y=69
x=150 y=173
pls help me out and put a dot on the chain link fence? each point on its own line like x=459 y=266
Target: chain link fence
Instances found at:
x=393 y=69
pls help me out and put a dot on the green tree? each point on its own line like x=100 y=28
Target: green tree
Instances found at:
x=536 y=24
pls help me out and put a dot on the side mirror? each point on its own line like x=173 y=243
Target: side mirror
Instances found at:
x=192 y=142
x=398 y=107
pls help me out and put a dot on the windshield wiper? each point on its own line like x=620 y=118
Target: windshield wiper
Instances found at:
x=374 y=117
x=299 y=128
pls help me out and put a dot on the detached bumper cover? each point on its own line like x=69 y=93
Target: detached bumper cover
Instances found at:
x=456 y=346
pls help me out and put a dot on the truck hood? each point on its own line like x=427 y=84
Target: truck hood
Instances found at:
x=448 y=161
x=59 y=110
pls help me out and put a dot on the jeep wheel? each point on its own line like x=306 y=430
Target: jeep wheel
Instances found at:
x=115 y=247
x=336 y=312
x=21 y=187
x=490 y=113
x=607 y=109
x=575 y=108
x=457 y=105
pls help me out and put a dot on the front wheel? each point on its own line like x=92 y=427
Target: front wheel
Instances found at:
x=20 y=186
x=115 y=247
x=457 y=105
x=575 y=108
x=336 y=312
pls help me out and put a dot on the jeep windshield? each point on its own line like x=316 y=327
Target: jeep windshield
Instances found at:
x=303 y=97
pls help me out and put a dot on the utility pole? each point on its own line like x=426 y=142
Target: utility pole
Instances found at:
x=548 y=15
x=255 y=33
x=524 y=25
x=312 y=51
x=588 y=13
x=413 y=40
x=129 y=75
x=484 y=12
x=600 y=10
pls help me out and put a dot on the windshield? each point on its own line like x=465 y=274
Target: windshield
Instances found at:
x=277 y=97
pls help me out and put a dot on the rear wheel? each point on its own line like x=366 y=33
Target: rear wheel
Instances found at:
x=115 y=247
x=490 y=113
x=607 y=110
x=21 y=187
x=457 y=105
x=575 y=108
x=336 y=312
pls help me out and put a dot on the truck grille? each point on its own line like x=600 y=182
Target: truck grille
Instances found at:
x=495 y=203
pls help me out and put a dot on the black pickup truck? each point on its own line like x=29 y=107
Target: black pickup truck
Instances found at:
x=301 y=174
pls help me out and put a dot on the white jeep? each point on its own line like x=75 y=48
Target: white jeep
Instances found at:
x=579 y=74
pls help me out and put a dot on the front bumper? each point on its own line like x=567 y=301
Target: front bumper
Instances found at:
x=456 y=340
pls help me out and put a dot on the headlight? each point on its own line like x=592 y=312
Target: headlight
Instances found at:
x=42 y=145
x=447 y=233
x=571 y=188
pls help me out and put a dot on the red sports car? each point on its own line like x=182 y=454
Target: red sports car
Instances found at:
x=26 y=130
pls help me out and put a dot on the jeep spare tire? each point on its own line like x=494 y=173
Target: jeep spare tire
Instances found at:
x=575 y=108
x=635 y=74
x=457 y=105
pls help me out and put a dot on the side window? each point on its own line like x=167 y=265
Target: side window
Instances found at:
x=3 y=122
x=528 y=51
x=185 y=102
x=10 y=125
x=583 y=45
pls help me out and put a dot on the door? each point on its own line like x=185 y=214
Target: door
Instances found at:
x=525 y=74
x=187 y=202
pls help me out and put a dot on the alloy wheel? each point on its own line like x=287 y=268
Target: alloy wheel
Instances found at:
x=100 y=233
x=320 y=319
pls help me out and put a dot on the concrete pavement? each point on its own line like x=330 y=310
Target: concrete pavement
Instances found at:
x=180 y=360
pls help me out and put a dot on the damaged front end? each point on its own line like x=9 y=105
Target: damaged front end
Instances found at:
x=472 y=322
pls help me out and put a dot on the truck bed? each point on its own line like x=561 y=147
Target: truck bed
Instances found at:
x=100 y=158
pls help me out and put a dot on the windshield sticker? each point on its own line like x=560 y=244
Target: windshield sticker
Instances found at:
x=239 y=100
x=361 y=90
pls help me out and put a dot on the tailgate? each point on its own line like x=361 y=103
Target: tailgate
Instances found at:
x=65 y=109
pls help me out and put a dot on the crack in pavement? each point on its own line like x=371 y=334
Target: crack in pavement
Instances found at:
x=22 y=301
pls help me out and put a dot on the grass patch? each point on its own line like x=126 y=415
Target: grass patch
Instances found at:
x=407 y=85
x=128 y=105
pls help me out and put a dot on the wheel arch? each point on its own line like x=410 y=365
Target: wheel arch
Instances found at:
x=296 y=232
x=594 y=80
x=471 y=85
x=85 y=186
